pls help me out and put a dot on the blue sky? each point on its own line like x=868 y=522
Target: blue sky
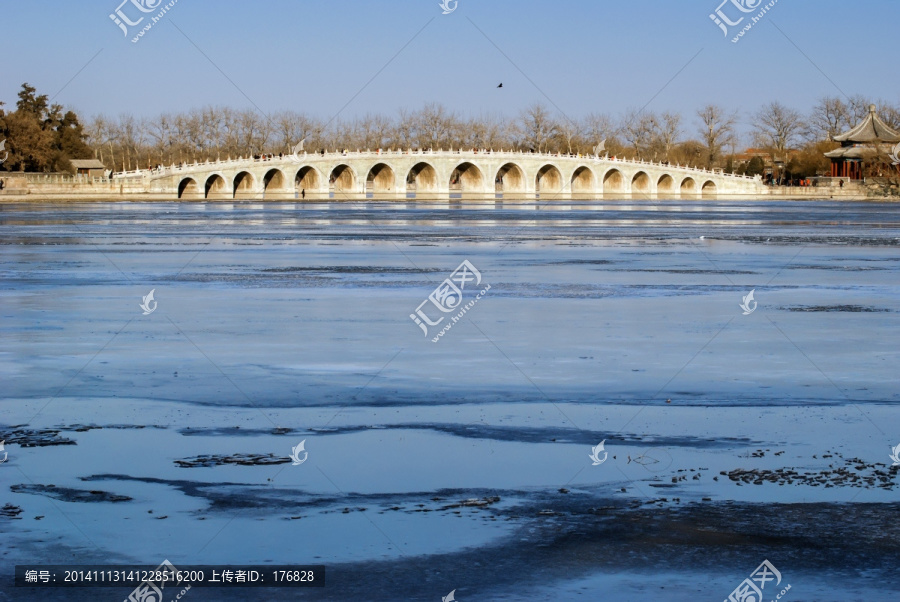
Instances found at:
x=585 y=56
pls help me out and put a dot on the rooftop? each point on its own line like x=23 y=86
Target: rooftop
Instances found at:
x=870 y=129
x=87 y=164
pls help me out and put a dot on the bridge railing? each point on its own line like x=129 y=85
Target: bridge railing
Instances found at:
x=161 y=170
x=57 y=178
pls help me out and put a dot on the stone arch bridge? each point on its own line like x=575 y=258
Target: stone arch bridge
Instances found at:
x=401 y=174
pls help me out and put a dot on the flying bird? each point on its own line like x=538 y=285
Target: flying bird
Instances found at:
x=449 y=597
x=500 y=85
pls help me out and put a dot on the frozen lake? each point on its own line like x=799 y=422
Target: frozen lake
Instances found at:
x=730 y=436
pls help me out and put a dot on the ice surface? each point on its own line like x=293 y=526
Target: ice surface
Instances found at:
x=610 y=321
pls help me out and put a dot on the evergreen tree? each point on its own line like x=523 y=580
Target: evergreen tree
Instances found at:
x=41 y=137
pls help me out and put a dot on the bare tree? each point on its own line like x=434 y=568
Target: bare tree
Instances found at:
x=889 y=113
x=665 y=134
x=778 y=127
x=538 y=127
x=598 y=127
x=858 y=106
x=404 y=130
x=716 y=131
x=828 y=118
x=637 y=130
x=435 y=126
x=486 y=131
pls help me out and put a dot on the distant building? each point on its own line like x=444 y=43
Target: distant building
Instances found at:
x=89 y=167
x=771 y=163
x=860 y=145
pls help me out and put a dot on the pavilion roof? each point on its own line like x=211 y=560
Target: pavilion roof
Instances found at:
x=870 y=129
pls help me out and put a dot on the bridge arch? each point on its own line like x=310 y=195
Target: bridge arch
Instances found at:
x=439 y=173
x=216 y=187
x=243 y=183
x=548 y=179
x=188 y=188
x=307 y=178
x=640 y=183
x=583 y=181
x=381 y=176
x=613 y=181
x=665 y=184
x=467 y=177
x=422 y=177
x=342 y=178
x=510 y=178
x=275 y=181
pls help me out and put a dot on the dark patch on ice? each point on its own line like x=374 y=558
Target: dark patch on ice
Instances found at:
x=559 y=537
x=290 y=501
x=352 y=269
x=687 y=271
x=836 y=308
x=846 y=268
x=34 y=437
x=68 y=494
x=234 y=459
x=581 y=262
x=10 y=511
x=854 y=473
x=565 y=538
x=26 y=437
x=517 y=434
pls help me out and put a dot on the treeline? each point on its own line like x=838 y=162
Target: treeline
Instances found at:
x=707 y=138
x=40 y=136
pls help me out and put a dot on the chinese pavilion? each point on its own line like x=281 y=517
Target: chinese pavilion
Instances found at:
x=858 y=144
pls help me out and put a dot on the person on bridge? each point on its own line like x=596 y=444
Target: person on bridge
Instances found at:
x=303 y=193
